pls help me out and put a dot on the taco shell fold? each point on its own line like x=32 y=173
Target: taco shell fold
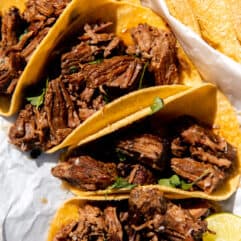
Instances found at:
x=205 y=104
x=32 y=72
x=75 y=16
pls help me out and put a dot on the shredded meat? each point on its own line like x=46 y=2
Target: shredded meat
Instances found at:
x=141 y=176
x=86 y=173
x=197 y=149
x=147 y=216
x=152 y=217
x=211 y=176
x=159 y=48
x=119 y=71
x=93 y=224
x=84 y=81
x=21 y=34
x=148 y=149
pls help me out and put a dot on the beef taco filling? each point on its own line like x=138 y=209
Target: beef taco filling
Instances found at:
x=147 y=215
x=20 y=34
x=95 y=69
x=183 y=154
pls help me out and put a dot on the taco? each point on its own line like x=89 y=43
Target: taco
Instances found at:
x=92 y=81
x=146 y=215
x=181 y=149
x=25 y=41
x=216 y=21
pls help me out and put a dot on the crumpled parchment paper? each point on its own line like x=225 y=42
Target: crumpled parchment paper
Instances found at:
x=29 y=195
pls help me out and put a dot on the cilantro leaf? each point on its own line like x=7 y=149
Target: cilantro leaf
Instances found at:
x=97 y=61
x=37 y=101
x=121 y=183
x=165 y=182
x=173 y=181
x=73 y=69
x=186 y=186
x=157 y=105
x=121 y=156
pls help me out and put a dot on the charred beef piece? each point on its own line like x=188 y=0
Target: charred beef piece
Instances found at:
x=120 y=71
x=211 y=177
x=12 y=25
x=86 y=173
x=96 y=42
x=136 y=174
x=93 y=224
x=113 y=225
x=147 y=149
x=25 y=132
x=159 y=48
x=152 y=217
x=61 y=114
x=198 y=149
x=49 y=124
x=10 y=69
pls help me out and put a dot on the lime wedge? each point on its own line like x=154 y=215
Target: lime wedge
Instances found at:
x=227 y=227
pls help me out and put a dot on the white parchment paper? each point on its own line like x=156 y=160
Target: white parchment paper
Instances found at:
x=29 y=195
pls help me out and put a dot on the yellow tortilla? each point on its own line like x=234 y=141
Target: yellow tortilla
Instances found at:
x=234 y=7
x=120 y=13
x=34 y=68
x=182 y=10
x=205 y=104
x=216 y=25
x=68 y=212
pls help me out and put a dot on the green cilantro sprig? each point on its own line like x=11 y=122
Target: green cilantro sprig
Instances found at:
x=142 y=75
x=121 y=183
x=176 y=181
x=157 y=105
x=37 y=101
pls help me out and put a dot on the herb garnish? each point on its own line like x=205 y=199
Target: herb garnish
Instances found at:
x=175 y=181
x=121 y=156
x=97 y=61
x=157 y=104
x=73 y=69
x=142 y=75
x=121 y=183
x=21 y=35
x=37 y=101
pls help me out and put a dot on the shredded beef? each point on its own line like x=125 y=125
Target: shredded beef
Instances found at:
x=86 y=173
x=148 y=149
x=93 y=224
x=21 y=34
x=141 y=176
x=211 y=176
x=159 y=48
x=92 y=71
x=148 y=215
x=119 y=71
x=11 y=28
x=152 y=217
x=197 y=149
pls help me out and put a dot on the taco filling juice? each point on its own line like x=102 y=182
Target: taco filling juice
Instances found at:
x=146 y=215
x=93 y=71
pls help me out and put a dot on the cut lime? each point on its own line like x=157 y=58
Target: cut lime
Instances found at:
x=227 y=227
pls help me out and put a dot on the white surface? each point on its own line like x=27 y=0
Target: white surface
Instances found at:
x=29 y=195
x=213 y=66
x=25 y=183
